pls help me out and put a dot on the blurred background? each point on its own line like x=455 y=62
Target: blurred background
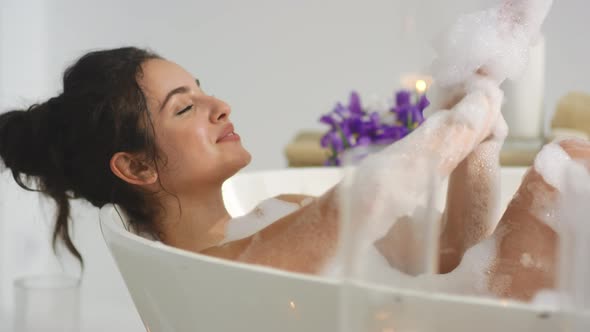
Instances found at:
x=279 y=64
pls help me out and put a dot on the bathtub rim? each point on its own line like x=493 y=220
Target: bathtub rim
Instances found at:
x=121 y=231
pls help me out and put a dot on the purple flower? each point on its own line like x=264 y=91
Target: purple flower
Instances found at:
x=352 y=126
x=341 y=111
x=354 y=103
x=375 y=119
x=332 y=161
x=328 y=119
x=403 y=113
x=423 y=102
x=409 y=116
x=363 y=141
x=402 y=98
x=417 y=116
x=338 y=141
x=356 y=125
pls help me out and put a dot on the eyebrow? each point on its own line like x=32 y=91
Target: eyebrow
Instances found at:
x=179 y=90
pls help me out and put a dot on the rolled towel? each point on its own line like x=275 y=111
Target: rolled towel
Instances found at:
x=562 y=133
x=305 y=150
x=573 y=112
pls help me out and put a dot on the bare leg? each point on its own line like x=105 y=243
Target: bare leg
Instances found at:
x=526 y=246
x=520 y=258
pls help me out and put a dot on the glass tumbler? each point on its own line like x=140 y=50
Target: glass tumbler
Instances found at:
x=47 y=303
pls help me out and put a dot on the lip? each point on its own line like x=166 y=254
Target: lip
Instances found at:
x=228 y=134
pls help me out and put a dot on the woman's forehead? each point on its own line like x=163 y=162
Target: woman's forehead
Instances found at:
x=162 y=76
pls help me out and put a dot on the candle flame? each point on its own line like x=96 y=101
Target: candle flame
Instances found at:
x=292 y=305
x=421 y=86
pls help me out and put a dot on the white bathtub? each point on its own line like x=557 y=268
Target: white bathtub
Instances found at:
x=176 y=290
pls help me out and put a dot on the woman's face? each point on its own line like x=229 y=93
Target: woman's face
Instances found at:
x=193 y=130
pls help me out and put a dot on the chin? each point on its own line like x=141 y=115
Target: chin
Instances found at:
x=245 y=159
x=237 y=162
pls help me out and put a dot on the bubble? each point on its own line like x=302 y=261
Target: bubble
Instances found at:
x=495 y=41
x=264 y=214
x=526 y=260
x=549 y=164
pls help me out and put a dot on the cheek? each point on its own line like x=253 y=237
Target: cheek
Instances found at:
x=196 y=152
x=197 y=141
x=185 y=144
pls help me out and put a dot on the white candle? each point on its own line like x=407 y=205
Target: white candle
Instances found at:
x=523 y=108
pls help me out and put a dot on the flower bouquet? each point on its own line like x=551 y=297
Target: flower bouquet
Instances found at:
x=354 y=126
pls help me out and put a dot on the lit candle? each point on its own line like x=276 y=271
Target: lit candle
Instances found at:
x=421 y=86
x=416 y=82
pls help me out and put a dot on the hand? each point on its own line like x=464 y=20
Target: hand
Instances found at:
x=478 y=103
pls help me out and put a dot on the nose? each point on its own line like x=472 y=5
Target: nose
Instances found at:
x=220 y=110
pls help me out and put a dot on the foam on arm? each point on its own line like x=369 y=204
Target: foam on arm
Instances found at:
x=394 y=181
x=496 y=40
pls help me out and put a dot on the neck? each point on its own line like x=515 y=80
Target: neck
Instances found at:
x=193 y=222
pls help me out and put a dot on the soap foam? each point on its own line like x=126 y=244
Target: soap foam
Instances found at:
x=574 y=231
x=472 y=274
x=526 y=260
x=471 y=277
x=495 y=40
x=264 y=214
x=527 y=15
x=547 y=299
x=550 y=163
x=564 y=174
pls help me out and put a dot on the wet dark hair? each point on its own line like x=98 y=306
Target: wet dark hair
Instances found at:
x=63 y=147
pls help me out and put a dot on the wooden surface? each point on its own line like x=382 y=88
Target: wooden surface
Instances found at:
x=305 y=151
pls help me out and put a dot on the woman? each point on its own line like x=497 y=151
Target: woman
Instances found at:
x=133 y=129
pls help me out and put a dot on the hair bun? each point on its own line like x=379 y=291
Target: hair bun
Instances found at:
x=26 y=145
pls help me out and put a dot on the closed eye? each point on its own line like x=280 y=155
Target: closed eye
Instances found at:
x=186 y=109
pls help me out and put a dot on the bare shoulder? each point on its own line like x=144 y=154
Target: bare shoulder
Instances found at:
x=296 y=198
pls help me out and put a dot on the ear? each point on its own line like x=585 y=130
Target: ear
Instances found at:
x=133 y=169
